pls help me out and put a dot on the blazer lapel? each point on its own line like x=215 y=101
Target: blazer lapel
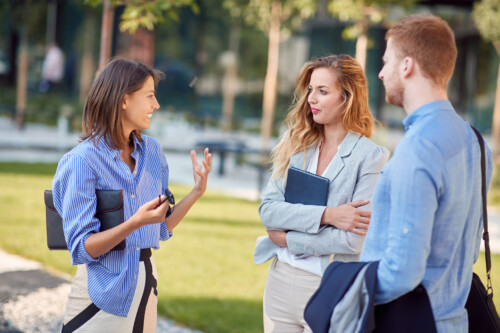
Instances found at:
x=345 y=150
x=297 y=160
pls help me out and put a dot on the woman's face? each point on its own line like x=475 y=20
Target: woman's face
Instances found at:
x=138 y=107
x=325 y=98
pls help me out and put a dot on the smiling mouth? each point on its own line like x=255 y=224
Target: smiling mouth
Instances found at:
x=149 y=116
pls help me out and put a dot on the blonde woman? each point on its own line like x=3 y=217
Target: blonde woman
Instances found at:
x=328 y=129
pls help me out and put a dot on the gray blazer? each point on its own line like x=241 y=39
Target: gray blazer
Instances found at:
x=353 y=175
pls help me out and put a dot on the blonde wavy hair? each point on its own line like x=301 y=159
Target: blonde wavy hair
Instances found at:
x=303 y=132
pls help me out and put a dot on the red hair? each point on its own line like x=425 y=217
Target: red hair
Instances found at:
x=430 y=41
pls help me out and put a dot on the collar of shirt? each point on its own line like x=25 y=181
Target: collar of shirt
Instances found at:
x=116 y=154
x=425 y=110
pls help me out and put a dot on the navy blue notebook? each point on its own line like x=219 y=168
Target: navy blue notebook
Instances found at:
x=306 y=188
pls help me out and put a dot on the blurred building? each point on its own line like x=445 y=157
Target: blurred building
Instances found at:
x=190 y=51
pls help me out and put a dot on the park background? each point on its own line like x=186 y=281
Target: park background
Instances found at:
x=231 y=67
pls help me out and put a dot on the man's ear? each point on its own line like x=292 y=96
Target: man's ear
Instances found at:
x=408 y=66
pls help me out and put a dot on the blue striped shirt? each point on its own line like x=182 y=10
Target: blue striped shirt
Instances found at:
x=112 y=276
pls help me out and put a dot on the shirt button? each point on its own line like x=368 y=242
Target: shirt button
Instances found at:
x=405 y=230
x=132 y=196
x=138 y=249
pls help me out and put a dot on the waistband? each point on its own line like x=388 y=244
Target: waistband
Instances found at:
x=145 y=254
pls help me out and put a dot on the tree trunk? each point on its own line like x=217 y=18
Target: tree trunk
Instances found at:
x=22 y=80
x=271 y=80
x=142 y=47
x=230 y=77
x=362 y=43
x=495 y=130
x=228 y=95
x=87 y=67
x=108 y=13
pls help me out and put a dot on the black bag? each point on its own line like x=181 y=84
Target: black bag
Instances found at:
x=410 y=313
x=483 y=316
x=109 y=211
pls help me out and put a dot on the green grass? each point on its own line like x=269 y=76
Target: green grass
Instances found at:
x=207 y=278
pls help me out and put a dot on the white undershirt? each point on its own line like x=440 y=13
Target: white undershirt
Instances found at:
x=310 y=264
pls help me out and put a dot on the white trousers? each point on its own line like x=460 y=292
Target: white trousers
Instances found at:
x=287 y=292
x=140 y=318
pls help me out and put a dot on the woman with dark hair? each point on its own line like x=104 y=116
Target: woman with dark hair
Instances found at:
x=115 y=290
x=328 y=129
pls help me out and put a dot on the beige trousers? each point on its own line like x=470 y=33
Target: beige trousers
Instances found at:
x=79 y=301
x=287 y=292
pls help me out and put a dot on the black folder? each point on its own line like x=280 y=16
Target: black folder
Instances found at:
x=306 y=188
x=109 y=212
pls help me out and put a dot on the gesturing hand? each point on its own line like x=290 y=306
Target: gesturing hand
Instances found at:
x=348 y=217
x=201 y=171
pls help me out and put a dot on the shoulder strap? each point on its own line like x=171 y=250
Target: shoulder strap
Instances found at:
x=486 y=236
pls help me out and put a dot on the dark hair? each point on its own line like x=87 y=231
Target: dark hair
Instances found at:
x=430 y=41
x=103 y=108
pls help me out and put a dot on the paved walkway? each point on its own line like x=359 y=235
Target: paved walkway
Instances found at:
x=33 y=300
x=40 y=143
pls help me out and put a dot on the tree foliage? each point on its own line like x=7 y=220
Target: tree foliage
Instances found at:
x=369 y=11
x=486 y=14
x=147 y=14
x=258 y=12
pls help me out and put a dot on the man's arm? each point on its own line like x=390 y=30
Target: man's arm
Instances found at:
x=415 y=185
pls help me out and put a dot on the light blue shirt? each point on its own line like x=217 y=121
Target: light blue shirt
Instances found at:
x=427 y=214
x=112 y=277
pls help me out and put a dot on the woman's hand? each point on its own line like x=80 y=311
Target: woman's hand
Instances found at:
x=151 y=212
x=278 y=237
x=348 y=217
x=200 y=172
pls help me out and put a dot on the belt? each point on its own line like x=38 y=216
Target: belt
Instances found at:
x=145 y=254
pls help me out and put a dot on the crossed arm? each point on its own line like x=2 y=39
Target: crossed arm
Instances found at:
x=317 y=230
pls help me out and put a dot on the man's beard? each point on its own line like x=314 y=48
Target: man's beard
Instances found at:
x=395 y=95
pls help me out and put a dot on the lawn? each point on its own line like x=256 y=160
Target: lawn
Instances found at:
x=207 y=278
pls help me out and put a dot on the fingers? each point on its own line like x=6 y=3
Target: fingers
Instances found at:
x=206 y=154
x=154 y=203
x=207 y=160
x=361 y=232
x=194 y=159
x=363 y=220
x=359 y=203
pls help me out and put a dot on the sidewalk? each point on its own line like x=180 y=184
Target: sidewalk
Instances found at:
x=33 y=300
x=40 y=143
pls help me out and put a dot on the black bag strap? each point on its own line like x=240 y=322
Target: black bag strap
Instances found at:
x=486 y=235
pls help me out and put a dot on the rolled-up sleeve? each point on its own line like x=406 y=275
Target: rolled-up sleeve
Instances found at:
x=75 y=199
x=164 y=233
x=414 y=200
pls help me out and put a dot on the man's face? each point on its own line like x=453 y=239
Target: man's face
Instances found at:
x=394 y=90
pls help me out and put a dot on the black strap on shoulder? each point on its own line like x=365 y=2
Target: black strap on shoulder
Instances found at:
x=486 y=236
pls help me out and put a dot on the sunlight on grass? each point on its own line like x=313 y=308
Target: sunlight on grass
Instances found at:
x=207 y=278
